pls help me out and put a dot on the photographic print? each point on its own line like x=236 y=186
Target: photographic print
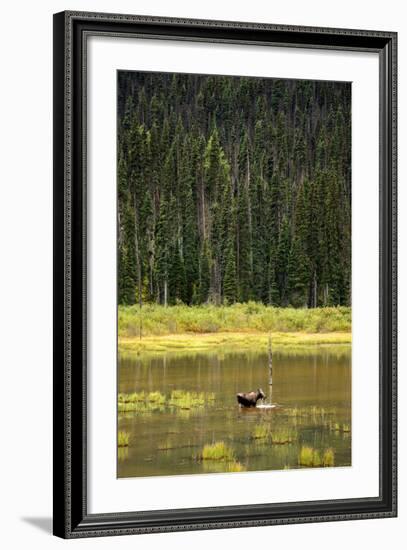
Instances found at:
x=234 y=274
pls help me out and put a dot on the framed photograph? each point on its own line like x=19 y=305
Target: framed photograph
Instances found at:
x=224 y=274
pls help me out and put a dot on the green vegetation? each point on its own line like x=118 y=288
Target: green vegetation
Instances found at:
x=219 y=457
x=341 y=428
x=235 y=466
x=328 y=458
x=247 y=318
x=122 y=453
x=218 y=451
x=295 y=343
x=189 y=400
x=156 y=397
x=123 y=439
x=261 y=431
x=283 y=436
x=311 y=457
x=233 y=189
x=142 y=402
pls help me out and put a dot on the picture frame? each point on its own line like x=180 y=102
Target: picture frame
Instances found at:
x=70 y=476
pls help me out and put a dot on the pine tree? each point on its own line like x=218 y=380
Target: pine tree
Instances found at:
x=230 y=290
x=233 y=189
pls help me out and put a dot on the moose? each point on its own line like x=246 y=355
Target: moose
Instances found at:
x=250 y=399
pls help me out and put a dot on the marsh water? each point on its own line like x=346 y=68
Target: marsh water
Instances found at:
x=311 y=392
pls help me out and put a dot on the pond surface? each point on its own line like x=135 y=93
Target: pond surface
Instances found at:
x=196 y=406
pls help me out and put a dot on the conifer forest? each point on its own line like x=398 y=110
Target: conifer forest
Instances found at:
x=233 y=189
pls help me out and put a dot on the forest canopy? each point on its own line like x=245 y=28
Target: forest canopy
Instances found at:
x=233 y=189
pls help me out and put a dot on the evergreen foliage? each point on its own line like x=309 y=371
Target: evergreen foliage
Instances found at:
x=232 y=189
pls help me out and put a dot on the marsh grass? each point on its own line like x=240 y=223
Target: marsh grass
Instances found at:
x=123 y=439
x=182 y=344
x=139 y=407
x=250 y=316
x=328 y=458
x=218 y=451
x=122 y=453
x=179 y=400
x=188 y=400
x=312 y=415
x=283 y=436
x=339 y=428
x=311 y=457
x=156 y=397
x=218 y=457
x=235 y=466
x=261 y=431
x=314 y=411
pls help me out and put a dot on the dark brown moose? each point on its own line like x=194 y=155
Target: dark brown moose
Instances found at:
x=250 y=399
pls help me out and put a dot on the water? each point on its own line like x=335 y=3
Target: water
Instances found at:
x=311 y=391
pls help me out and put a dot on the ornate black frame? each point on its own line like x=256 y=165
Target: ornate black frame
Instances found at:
x=71 y=518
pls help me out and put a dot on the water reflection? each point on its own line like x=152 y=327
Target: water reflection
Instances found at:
x=174 y=405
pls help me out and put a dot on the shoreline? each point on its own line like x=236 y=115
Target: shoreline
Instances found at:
x=234 y=341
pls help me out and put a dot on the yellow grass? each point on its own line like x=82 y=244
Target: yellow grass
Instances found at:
x=197 y=342
x=123 y=439
x=217 y=451
x=157 y=320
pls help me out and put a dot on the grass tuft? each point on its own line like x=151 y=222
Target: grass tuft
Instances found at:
x=218 y=451
x=235 y=466
x=283 y=437
x=312 y=457
x=328 y=458
x=123 y=439
x=261 y=431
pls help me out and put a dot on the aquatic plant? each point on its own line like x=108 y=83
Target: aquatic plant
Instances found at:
x=217 y=451
x=139 y=407
x=306 y=456
x=189 y=400
x=315 y=413
x=317 y=460
x=142 y=402
x=156 y=397
x=341 y=428
x=328 y=458
x=283 y=436
x=131 y=397
x=123 y=439
x=122 y=453
x=235 y=466
x=261 y=431
x=312 y=457
x=177 y=394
